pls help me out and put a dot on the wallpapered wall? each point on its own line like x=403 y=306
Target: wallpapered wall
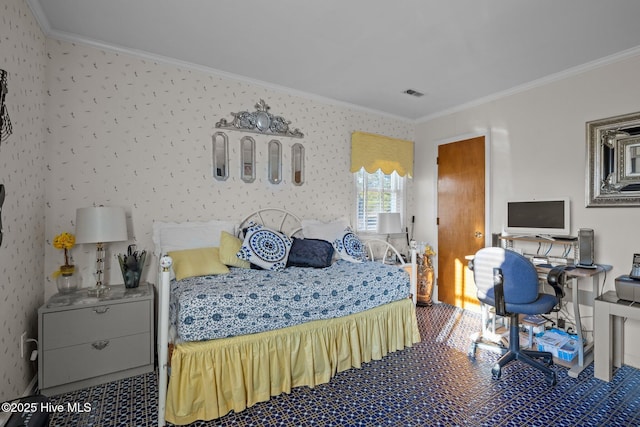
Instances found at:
x=22 y=55
x=128 y=131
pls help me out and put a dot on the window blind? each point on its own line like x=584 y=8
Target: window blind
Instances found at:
x=377 y=192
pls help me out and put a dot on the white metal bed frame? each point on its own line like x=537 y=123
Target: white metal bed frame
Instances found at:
x=283 y=222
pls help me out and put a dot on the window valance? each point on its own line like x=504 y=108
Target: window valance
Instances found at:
x=373 y=152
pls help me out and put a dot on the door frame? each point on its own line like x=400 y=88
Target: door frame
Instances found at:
x=487 y=187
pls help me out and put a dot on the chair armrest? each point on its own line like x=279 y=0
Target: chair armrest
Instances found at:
x=498 y=292
x=556 y=279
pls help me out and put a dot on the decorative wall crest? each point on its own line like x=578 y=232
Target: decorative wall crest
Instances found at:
x=260 y=121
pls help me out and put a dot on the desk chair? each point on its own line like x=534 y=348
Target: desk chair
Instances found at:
x=508 y=281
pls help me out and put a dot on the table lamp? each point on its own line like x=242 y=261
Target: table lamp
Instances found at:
x=389 y=223
x=100 y=225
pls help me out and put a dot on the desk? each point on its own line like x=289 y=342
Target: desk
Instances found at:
x=585 y=352
x=609 y=314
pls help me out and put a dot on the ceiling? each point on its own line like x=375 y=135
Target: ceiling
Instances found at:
x=364 y=53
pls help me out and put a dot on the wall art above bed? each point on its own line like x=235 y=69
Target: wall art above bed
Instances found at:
x=260 y=121
x=220 y=160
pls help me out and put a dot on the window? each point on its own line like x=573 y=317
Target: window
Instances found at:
x=377 y=192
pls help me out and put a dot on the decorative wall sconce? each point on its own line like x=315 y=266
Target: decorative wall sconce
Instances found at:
x=260 y=121
x=5 y=123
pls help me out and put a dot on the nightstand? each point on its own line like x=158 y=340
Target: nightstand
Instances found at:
x=85 y=341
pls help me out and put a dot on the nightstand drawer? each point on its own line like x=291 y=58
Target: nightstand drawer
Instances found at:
x=79 y=362
x=91 y=324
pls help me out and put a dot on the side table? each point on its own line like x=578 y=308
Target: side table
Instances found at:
x=87 y=341
x=609 y=313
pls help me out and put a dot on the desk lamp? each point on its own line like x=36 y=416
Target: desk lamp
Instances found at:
x=100 y=225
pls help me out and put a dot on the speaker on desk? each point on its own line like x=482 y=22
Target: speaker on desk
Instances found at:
x=585 y=248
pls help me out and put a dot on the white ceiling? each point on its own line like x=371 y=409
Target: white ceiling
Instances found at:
x=364 y=53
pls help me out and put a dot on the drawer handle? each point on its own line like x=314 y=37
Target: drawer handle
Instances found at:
x=99 y=345
x=101 y=310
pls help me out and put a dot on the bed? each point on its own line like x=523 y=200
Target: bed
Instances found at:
x=241 y=335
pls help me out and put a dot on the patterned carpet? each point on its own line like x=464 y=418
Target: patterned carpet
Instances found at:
x=432 y=384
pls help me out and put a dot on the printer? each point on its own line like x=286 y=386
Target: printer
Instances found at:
x=628 y=287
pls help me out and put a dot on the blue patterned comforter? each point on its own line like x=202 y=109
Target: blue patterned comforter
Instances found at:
x=248 y=301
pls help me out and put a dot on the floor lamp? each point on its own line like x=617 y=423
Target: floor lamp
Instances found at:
x=100 y=225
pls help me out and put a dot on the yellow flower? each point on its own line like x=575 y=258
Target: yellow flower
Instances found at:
x=64 y=241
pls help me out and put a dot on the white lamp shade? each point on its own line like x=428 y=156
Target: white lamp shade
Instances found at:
x=101 y=224
x=389 y=223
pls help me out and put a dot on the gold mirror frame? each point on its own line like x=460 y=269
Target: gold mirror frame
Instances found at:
x=613 y=148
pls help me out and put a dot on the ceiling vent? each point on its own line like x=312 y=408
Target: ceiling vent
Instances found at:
x=413 y=93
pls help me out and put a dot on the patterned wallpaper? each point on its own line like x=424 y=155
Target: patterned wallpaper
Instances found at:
x=96 y=127
x=23 y=56
x=128 y=131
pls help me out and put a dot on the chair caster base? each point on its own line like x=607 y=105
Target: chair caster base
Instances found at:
x=551 y=380
x=472 y=351
x=496 y=372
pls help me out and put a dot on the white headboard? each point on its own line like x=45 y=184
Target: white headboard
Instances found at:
x=275 y=219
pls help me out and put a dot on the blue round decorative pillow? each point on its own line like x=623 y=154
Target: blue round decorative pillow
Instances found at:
x=349 y=246
x=265 y=248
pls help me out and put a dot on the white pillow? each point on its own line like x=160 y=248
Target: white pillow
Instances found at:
x=173 y=236
x=313 y=229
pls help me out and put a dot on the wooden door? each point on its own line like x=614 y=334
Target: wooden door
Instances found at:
x=461 y=218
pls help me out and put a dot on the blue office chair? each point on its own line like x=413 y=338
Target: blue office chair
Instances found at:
x=508 y=281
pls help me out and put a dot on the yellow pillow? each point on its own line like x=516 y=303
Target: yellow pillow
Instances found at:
x=197 y=262
x=229 y=247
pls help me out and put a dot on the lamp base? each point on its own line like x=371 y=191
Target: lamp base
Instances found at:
x=98 y=291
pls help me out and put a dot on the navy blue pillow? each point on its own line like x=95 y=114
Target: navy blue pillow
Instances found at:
x=310 y=253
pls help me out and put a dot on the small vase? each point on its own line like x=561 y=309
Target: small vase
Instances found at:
x=131 y=267
x=67 y=281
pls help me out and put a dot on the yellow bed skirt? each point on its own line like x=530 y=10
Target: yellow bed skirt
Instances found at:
x=211 y=378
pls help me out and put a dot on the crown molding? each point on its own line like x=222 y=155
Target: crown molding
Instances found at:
x=571 y=72
x=45 y=26
x=41 y=18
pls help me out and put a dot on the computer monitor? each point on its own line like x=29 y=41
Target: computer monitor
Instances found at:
x=542 y=217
